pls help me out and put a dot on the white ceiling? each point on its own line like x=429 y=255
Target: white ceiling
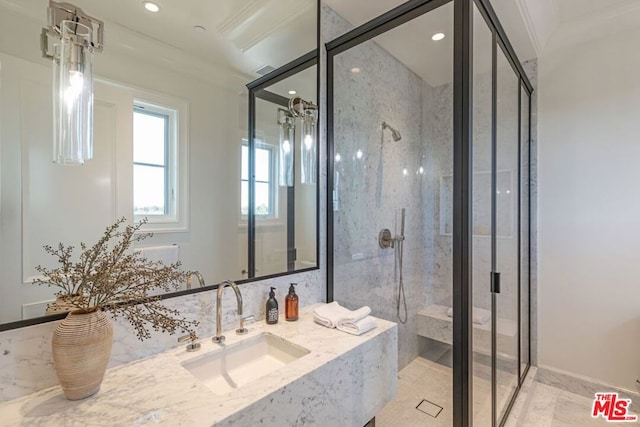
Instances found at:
x=411 y=42
x=554 y=24
x=241 y=35
x=569 y=10
x=244 y=35
x=533 y=27
x=357 y=12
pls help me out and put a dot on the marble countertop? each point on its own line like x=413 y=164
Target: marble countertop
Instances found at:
x=158 y=391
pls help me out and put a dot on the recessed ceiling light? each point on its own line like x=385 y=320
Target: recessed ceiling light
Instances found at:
x=151 y=6
x=437 y=36
x=355 y=70
x=199 y=29
x=292 y=92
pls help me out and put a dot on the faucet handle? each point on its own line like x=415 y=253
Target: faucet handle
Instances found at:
x=242 y=330
x=193 y=346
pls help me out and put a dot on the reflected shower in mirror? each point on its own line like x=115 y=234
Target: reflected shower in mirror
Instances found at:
x=284 y=136
x=170 y=133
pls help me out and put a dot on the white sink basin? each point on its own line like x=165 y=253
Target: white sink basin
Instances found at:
x=232 y=366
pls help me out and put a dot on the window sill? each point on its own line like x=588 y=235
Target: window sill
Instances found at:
x=274 y=224
x=157 y=225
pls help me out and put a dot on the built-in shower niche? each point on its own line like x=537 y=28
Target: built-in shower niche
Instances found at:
x=505 y=204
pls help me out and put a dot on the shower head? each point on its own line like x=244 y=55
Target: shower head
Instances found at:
x=395 y=134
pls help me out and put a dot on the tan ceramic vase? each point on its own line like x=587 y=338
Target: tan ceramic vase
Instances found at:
x=81 y=349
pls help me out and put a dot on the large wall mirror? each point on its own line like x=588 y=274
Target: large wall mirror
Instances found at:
x=176 y=93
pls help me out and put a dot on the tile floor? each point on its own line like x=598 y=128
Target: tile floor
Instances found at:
x=538 y=405
x=541 y=405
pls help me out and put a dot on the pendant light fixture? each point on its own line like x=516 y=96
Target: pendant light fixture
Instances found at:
x=308 y=114
x=70 y=40
x=287 y=126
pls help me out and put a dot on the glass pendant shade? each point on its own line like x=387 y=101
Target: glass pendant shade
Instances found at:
x=73 y=95
x=286 y=149
x=308 y=148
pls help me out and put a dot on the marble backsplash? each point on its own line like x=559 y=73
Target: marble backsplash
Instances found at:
x=25 y=353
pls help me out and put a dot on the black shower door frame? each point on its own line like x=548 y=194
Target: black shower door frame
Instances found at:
x=462 y=178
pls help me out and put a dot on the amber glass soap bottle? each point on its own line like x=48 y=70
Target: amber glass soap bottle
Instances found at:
x=291 y=304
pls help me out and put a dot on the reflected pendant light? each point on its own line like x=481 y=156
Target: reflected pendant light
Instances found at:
x=74 y=37
x=308 y=147
x=286 y=123
x=308 y=113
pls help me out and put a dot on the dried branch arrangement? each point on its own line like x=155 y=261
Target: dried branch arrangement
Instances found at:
x=112 y=277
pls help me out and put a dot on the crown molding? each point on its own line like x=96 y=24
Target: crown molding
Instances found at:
x=257 y=20
x=541 y=19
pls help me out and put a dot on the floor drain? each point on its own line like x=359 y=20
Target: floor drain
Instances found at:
x=429 y=408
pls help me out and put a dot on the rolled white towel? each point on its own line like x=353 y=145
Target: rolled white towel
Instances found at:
x=480 y=316
x=330 y=314
x=358 y=327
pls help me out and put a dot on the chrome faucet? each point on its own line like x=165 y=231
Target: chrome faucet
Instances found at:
x=219 y=338
x=198 y=276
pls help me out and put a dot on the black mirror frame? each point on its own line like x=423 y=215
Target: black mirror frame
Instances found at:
x=308 y=60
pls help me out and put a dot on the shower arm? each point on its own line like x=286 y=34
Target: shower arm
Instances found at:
x=395 y=134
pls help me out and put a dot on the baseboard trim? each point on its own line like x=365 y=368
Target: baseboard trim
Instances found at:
x=583 y=386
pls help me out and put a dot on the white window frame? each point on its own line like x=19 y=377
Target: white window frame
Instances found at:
x=273 y=184
x=176 y=219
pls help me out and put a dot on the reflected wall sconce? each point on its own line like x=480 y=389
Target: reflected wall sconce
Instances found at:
x=287 y=125
x=70 y=39
x=308 y=113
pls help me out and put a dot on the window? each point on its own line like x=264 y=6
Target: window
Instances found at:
x=151 y=187
x=159 y=149
x=265 y=188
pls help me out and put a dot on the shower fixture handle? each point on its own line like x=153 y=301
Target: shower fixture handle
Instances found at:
x=385 y=239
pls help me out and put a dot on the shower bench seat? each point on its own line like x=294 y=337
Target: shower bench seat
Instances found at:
x=434 y=323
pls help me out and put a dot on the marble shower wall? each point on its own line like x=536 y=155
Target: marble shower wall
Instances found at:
x=377 y=177
x=507 y=203
x=371 y=187
x=531 y=69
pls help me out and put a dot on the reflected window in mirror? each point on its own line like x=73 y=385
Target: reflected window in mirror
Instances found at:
x=266 y=186
x=152 y=189
x=157 y=171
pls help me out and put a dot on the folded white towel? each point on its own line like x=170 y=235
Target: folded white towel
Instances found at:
x=331 y=314
x=358 y=327
x=479 y=316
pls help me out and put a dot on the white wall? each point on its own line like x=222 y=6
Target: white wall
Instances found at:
x=589 y=209
x=216 y=242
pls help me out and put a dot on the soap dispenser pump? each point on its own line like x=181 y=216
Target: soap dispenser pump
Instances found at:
x=272 y=308
x=291 y=304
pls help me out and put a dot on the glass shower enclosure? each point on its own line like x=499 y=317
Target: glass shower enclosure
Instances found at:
x=428 y=139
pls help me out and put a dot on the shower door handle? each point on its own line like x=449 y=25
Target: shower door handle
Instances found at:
x=495 y=282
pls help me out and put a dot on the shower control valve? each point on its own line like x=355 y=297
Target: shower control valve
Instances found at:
x=386 y=240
